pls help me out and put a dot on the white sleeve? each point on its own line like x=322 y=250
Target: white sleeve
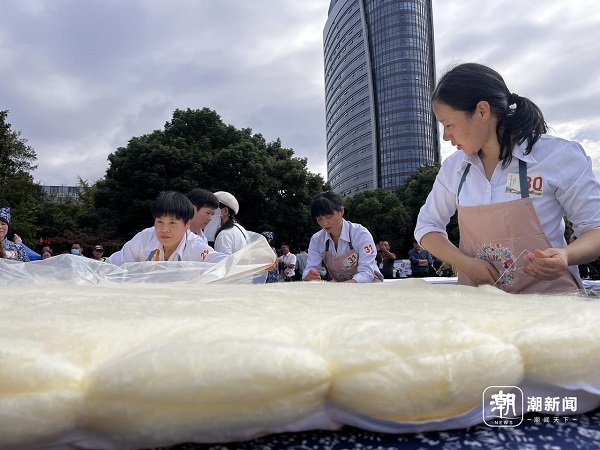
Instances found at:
x=315 y=256
x=367 y=254
x=292 y=259
x=578 y=190
x=224 y=243
x=438 y=209
x=131 y=252
x=213 y=256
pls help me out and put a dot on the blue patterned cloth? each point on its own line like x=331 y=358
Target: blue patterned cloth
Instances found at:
x=14 y=251
x=581 y=432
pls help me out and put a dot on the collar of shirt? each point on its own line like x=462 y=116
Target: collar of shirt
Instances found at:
x=344 y=235
x=155 y=244
x=518 y=153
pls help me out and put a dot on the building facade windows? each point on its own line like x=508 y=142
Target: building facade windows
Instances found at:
x=379 y=74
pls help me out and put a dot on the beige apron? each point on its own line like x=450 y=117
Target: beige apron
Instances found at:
x=343 y=267
x=499 y=233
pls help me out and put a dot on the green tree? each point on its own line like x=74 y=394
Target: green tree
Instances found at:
x=15 y=155
x=25 y=200
x=17 y=188
x=196 y=149
x=414 y=192
x=382 y=213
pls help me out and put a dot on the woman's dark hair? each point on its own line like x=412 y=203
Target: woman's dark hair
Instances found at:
x=464 y=86
x=171 y=203
x=324 y=204
x=201 y=198
x=230 y=222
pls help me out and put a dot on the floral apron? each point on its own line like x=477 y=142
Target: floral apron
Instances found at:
x=500 y=233
x=343 y=267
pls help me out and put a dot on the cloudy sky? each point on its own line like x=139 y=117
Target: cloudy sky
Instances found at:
x=82 y=77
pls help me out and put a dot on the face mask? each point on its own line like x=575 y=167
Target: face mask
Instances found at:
x=74 y=251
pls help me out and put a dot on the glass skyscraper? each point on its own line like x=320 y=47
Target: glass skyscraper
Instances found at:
x=379 y=74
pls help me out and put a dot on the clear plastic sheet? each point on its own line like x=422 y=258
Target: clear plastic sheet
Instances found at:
x=107 y=364
x=246 y=266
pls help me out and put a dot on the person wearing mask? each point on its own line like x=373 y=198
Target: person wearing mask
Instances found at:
x=231 y=236
x=346 y=249
x=512 y=185
x=77 y=249
x=170 y=239
x=9 y=249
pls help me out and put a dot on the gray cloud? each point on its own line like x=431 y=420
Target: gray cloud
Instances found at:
x=82 y=78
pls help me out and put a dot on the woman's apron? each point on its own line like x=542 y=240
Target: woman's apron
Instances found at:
x=502 y=233
x=343 y=267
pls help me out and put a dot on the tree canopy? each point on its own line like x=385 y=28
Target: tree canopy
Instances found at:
x=382 y=213
x=17 y=188
x=16 y=157
x=196 y=149
x=414 y=192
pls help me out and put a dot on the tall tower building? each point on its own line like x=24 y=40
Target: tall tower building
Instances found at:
x=379 y=75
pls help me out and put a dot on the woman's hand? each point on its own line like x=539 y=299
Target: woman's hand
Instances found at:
x=479 y=271
x=313 y=275
x=549 y=264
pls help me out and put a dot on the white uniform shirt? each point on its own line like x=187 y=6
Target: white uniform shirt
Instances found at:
x=560 y=178
x=202 y=236
x=290 y=258
x=145 y=243
x=231 y=240
x=362 y=242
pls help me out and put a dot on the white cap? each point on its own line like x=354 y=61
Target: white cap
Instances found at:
x=228 y=200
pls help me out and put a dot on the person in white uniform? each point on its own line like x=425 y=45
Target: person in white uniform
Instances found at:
x=170 y=239
x=287 y=262
x=231 y=236
x=512 y=185
x=205 y=205
x=346 y=249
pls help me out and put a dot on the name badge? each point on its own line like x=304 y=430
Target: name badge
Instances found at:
x=351 y=261
x=535 y=184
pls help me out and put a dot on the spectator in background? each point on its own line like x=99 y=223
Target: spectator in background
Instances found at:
x=421 y=261
x=9 y=249
x=287 y=263
x=46 y=254
x=301 y=260
x=77 y=249
x=97 y=253
x=273 y=275
x=385 y=260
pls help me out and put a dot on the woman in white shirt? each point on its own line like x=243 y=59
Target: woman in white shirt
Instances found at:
x=231 y=236
x=346 y=249
x=512 y=184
